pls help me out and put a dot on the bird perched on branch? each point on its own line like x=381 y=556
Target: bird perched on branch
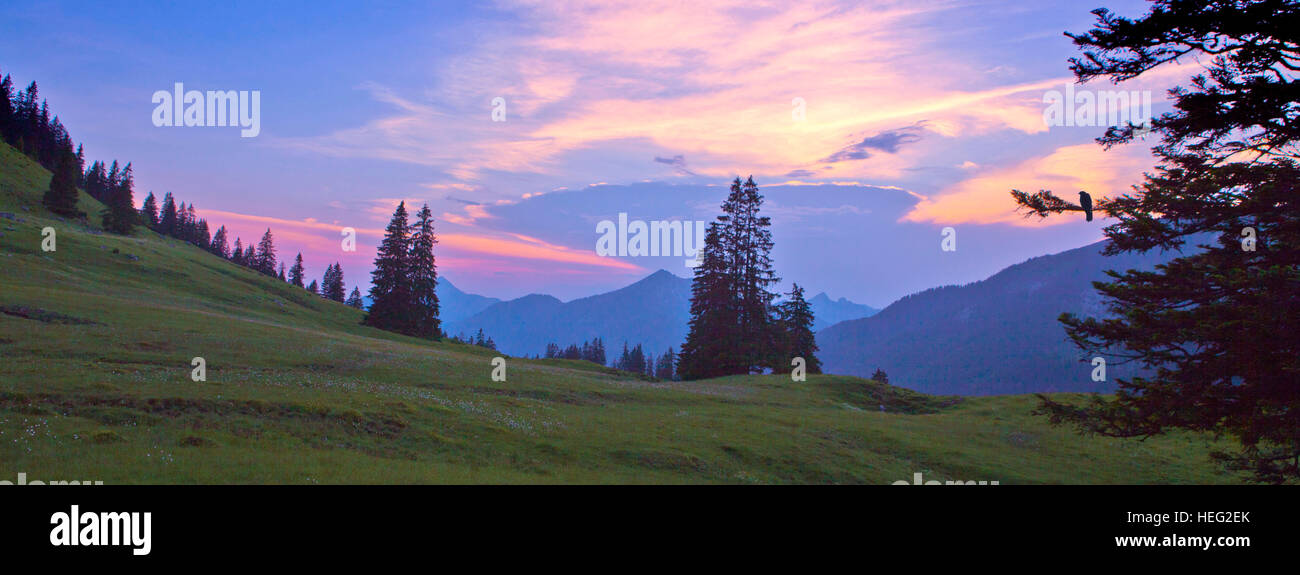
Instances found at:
x=1044 y=202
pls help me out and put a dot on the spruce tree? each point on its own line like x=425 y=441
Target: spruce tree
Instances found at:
x=710 y=349
x=120 y=214
x=732 y=329
x=312 y=288
x=390 y=282
x=202 y=237
x=354 y=299
x=149 y=213
x=167 y=216
x=1218 y=328
x=219 y=245
x=332 y=286
x=237 y=254
x=264 y=261
x=750 y=254
x=6 y=109
x=296 y=272
x=424 y=277
x=61 y=197
x=796 y=338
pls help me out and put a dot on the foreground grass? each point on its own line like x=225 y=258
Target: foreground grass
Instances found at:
x=97 y=338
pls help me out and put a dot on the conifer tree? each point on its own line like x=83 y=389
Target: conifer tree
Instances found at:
x=6 y=109
x=237 y=254
x=390 y=282
x=354 y=299
x=731 y=329
x=167 y=217
x=796 y=338
x=312 y=288
x=61 y=197
x=710 y=349
x=332 y=285
x=296 y=272
x=120 y=214
x=149 y=212
x=219 y=245
x=1218 y=328
x=424 y=277
x=264 y=261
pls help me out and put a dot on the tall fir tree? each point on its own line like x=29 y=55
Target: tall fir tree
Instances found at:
x=795 y=335
x=1218 y=328
x=237 y=254
x=6 y=109
x=296 y=272
x=424 y=276
x=732 y=329
x=711 y=349
x=120 y=214
x=149 y=212
x=264 y=261
x=167 y=217
x=220 y=244
x=332 y=286
x=390 y=282
x=61 y=197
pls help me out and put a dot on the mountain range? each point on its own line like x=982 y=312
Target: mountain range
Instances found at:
x=995 y=336
x=653 y=311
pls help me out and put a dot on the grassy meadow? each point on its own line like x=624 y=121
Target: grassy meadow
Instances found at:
x=97 y=339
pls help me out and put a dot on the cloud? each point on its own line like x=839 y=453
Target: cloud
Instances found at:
x=625 y=78
x=323 y=238
x=888 y=141
x=678 y=163
x=986 y=199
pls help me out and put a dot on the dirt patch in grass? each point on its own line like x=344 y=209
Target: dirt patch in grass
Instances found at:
x=44 y=316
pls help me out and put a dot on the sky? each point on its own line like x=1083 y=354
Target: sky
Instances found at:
x=870 y=127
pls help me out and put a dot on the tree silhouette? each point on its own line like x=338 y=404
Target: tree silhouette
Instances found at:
x=1219 y=329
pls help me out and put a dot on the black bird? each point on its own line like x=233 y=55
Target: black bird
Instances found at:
x=1086 y=201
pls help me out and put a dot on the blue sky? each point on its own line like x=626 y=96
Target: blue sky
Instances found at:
x=913 y=118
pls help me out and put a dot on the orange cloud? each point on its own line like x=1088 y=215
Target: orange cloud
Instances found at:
x=325 y=238
x=985 y=198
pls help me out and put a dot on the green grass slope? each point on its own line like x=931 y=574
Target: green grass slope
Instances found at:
x=97 y=338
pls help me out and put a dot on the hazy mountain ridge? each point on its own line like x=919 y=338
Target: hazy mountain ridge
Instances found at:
x=828 y=312
x=994 y=336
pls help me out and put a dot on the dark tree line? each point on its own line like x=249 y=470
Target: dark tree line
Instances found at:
x=27 y=125
x=478 y=339
x=1219 y=329
x=403 y=284
x=735 y=329
x=633 y=359
x=593 y=351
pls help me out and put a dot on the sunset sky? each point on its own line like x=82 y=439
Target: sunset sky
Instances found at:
x=915 y=116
